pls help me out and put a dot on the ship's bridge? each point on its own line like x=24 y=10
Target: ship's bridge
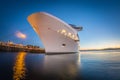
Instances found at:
x=78 y=28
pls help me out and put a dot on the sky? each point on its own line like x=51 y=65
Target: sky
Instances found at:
x=100 y=20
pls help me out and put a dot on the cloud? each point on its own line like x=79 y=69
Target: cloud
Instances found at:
x=20 y=35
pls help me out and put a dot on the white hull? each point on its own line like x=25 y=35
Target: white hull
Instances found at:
x=51 y=32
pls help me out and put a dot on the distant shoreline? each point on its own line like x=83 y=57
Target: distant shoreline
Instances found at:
x=101 y=49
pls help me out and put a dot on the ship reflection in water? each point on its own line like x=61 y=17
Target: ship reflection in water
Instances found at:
x=64 y=66
x=90 y=65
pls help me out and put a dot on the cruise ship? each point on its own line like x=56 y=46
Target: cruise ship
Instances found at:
x=56 y=35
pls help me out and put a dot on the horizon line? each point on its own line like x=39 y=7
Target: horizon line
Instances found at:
x=109 y=48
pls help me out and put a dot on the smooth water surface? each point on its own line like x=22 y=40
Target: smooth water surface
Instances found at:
x=89 y=65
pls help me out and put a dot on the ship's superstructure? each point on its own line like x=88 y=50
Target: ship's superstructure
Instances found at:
x=56 y=35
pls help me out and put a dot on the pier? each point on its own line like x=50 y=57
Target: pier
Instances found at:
x=11 y=47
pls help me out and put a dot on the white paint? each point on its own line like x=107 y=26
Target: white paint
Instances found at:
x=47 y=27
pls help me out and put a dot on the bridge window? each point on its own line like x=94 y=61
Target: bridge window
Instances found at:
x=63 y=31
x=73 y=36
x=69 y=34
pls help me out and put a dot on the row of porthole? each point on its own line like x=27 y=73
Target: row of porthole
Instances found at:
x=68 y=34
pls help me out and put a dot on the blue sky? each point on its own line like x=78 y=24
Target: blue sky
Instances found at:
x=100 y=20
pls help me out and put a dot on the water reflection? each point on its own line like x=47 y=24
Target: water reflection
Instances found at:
x=79 y=60
x=47 y=67
x=19 y=67
x=96 y=65
x=62 y=67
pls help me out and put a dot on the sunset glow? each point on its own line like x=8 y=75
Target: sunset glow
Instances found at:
x=102 y=45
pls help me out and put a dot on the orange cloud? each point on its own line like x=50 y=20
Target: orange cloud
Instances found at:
x=20 y=35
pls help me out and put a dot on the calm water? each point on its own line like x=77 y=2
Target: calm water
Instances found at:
x=92 y=65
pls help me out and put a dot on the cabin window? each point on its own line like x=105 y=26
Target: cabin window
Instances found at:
x=63 y=45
